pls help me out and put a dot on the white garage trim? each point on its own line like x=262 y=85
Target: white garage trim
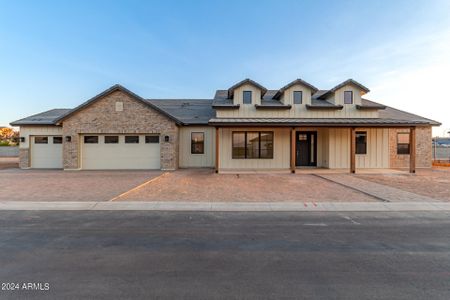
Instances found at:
x=119 y=155
x=46 y=155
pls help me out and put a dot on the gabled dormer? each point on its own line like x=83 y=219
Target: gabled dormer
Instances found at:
x=297 y=92
x=246 y=92
x=348 y=93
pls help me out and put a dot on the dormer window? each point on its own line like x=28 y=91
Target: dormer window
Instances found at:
x=298 y=97
x=348 y=97
x=247 y=97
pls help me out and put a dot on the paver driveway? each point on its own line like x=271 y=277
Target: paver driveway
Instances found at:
x=205 y=185
x=433 y=183
x=58 y=185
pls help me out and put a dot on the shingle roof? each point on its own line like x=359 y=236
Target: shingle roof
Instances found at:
x=200 y=111
x=393 y=113
x=187 y=111
x=322 y=103
x=44 y=118
x=367 y=104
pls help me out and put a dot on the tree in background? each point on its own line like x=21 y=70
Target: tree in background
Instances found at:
x=8 y=136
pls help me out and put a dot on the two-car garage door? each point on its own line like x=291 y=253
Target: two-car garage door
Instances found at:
x=130 y=151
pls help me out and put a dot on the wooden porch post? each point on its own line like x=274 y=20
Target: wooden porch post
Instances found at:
x=352 y=150
x=293 y=150
x=217 y=150
x=412 y=147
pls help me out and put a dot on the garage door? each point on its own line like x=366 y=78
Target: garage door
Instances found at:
x=115 y=152
x=46 y=152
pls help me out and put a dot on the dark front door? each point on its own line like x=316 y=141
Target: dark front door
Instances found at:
x=306 y=148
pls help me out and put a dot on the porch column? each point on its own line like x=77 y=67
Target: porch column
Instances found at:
x=352 y=150
x=217 y=150
x=412 y=150
x=293 y=150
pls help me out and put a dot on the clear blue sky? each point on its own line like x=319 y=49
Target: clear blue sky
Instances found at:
x=58 y=54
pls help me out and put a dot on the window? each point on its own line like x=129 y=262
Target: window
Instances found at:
x=91 y=139
x=57 y=140
x=348 y=97
x=252 y=144
x=111 y=139
x=361 y=142
x=247 y=97
x=131 y=139
x=152 y=139
x=403 y=143
x=266 y=148
x=41 y=139
x=197 y=142
x=298 y=97
x=238 y=147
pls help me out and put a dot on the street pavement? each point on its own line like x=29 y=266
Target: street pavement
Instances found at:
x=224 y=255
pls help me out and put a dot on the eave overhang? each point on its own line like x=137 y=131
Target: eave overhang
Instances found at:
x=323 y=107
x=370 y=107
x=225 y=106
x=268 y=106
x=375 y=122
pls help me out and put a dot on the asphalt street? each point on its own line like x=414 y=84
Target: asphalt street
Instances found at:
x=193 y=255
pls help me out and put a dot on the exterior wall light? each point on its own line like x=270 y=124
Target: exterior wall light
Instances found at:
x=68 y=138
x=22 y=139
x=166 y=138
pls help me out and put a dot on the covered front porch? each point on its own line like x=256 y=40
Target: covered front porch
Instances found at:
x=307 y=149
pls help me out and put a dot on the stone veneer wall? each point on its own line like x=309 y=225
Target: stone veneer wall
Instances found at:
x=101 y=117
x=423 y=148
x=24 y=158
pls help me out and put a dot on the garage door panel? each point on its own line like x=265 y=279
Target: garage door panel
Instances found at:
x=46 y=156
x=121 y=155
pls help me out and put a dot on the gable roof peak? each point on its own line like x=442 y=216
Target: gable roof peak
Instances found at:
x=114 y=88
x=246 y=81
x=292 y=83
x=349 y=81
x=352 y=82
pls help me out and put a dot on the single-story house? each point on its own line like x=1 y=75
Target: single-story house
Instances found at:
x=244 y=127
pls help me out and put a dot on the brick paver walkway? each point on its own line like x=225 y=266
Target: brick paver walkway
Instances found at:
x=380 y=191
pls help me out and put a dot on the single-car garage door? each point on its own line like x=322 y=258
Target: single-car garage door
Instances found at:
x=115 y=152
x=46 y=152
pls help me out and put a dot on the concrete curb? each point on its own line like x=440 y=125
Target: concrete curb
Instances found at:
x=228 y=206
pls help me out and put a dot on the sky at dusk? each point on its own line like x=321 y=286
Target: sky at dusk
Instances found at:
x=59 y=54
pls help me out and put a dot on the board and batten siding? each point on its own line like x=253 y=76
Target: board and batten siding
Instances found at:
x=189 y=160
x=281 y=153
x=333 y=149
x=297 y=110
x=377 y=148
x=27 y=131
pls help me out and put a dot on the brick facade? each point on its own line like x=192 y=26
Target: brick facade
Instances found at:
x=423 y=148
x=101 y=117
x=24 y=158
